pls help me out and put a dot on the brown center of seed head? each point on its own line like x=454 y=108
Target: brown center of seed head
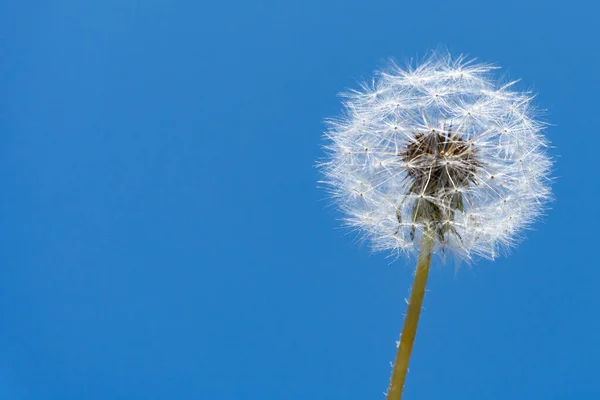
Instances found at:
x=440 y=166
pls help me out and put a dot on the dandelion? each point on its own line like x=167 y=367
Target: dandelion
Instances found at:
x=437 y=159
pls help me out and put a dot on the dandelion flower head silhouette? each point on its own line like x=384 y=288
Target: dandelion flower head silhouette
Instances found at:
x=438 y=148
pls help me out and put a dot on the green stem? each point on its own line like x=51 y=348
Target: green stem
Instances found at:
x=411 y=320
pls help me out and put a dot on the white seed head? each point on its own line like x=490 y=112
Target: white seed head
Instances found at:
x=440 y=149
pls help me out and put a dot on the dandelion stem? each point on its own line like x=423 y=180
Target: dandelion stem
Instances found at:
x=411 y=320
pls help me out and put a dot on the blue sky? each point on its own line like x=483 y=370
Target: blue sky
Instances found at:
x=162 y=235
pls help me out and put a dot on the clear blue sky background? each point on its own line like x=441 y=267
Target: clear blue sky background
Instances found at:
x=162 y=235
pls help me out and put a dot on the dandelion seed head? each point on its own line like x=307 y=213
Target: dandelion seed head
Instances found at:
x=439 y=149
